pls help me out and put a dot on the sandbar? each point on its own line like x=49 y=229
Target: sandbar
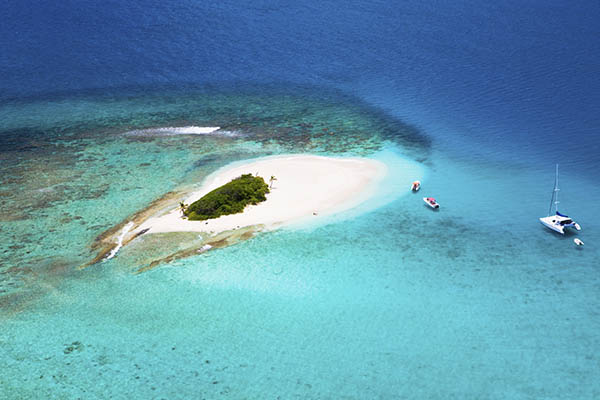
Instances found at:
x=307 y=187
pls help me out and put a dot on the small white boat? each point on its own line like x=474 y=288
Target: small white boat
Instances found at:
x=416 y=185
x=578 y=242
x=557 y=221
x=430 y=201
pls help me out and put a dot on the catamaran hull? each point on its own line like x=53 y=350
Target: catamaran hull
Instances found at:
x=547 y=222
x=559 y=229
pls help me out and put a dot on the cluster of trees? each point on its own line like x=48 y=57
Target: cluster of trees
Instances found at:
x=230 y=198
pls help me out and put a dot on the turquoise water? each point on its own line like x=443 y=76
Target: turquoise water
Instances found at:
x=391 y=300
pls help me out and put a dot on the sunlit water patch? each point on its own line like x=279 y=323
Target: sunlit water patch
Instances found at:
x=294 y=312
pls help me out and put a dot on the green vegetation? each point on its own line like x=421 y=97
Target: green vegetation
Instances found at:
x=230 y=198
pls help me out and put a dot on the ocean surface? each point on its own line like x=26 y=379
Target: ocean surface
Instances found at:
x=102 y=110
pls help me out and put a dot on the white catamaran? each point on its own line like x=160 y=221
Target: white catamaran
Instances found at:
x=557 y=221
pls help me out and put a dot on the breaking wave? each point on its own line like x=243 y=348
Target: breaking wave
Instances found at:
x=183 y=130
x=119 y=241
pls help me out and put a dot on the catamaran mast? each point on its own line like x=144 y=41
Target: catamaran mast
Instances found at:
x=554 y=199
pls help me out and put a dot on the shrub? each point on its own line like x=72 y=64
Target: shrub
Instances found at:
x=230 y=198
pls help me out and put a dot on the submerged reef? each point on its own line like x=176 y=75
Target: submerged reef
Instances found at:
x=72 y=177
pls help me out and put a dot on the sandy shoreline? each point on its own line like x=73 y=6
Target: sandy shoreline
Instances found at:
x=307 y=186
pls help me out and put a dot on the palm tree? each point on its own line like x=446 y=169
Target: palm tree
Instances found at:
x=271 y=181
x=182 y=207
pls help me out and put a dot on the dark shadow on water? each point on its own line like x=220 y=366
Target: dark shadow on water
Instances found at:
x=298 y=103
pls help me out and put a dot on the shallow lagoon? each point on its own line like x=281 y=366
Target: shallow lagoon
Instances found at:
x=392 y=300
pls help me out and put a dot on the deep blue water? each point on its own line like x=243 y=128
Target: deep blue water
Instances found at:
x=477 y=301
x=520 y=74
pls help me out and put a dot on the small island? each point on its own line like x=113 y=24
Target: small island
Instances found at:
x=300 y=187
x=232 y=204
x=230 y=198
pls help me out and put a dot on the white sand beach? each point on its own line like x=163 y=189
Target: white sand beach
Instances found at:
x=307 y=186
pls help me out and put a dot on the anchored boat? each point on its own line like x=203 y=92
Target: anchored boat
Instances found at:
x=430 y=201
x=557 y=221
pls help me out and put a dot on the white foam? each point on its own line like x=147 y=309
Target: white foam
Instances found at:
x=204 y=248
x=182 y=130
x=195 y=130
x=114 y=251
